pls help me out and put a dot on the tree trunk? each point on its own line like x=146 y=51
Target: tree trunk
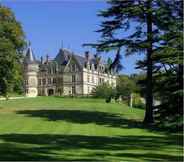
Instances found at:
x=148 y=119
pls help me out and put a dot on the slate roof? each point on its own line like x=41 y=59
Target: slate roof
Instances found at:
x=61 y=58
x=30 y=57
x=64 y=55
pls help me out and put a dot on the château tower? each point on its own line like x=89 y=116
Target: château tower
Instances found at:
x=31 y=68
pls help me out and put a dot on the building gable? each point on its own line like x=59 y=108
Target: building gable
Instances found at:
x=72 y=65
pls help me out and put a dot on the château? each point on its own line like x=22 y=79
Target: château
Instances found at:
x=66 y=74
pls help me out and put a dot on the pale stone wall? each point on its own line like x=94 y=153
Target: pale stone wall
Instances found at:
x=93 y=78
x=67 y=78
x=31 y=80
x=31 y=92
x=67 y=90
x=79 y=89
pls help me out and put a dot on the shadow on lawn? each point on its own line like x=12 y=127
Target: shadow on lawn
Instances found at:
x=86 y=148
x=83 y=117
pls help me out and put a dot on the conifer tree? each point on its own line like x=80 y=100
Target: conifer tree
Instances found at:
x=168 y=76
x=141 y=27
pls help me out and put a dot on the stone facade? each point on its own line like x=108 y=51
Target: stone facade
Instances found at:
x=67 y=74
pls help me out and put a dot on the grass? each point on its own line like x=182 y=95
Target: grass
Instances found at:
x=54 y=128
x=13 y=95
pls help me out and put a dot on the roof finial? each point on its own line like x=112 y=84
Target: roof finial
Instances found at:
x=29 y=43
x=47 y=58
x=41 y=59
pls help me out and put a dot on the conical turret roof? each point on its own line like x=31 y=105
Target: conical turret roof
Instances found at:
x=30 y=57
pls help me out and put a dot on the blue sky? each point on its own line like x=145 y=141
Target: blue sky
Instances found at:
x=49 y=25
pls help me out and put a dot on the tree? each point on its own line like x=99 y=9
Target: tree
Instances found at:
x=104 y=91
x=140 y=81
x=169 y=74
x=125 y=86
x=126 y=89
x=146 y=20
x=11 y=47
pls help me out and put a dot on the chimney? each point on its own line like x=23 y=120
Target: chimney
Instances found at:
x=97 y=58
x=87 y=55
x=41 y=58
x=47 y=58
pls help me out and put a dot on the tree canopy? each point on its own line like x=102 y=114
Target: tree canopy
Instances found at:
x=156 y=31
x=11 y=47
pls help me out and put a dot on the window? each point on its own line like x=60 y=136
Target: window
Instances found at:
x=26 y=82
x=85 y=65
x=60 y=80
x=73 y=78
x=73 y=90
x=101 y=80
x=39 y=82
x=59 y=91
x=54 y=81
x=88 y=78
x=92 y=67
x=50 y=70
x=44 y=81
x=49 y=80
x=32 y=82
x=88 y=66
x=54 y=70
x=88 y=89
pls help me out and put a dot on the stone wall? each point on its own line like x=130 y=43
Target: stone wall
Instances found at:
x=31 y=80
x=93 y=78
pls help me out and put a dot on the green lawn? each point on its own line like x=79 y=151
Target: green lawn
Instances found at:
x=53 y=128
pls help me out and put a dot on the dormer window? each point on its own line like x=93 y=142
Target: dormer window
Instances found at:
x=73 y=68
x=92 y=67
x=88 y=66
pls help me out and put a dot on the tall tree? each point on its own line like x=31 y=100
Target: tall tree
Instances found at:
x=169 y=69
x=143 y=23
x=11 y=47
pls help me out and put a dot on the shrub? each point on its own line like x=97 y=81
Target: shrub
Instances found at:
x=137 y=102
x=104 y=91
